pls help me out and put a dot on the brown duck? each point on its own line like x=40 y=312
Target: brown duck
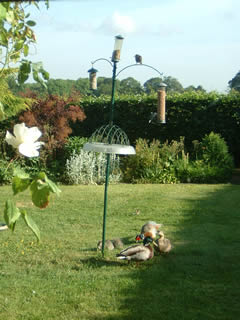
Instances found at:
x=138 y=252
x=162 y=244
x=152 y=227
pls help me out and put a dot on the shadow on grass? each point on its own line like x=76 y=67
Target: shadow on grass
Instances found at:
x=99 y=262
x=200 y=277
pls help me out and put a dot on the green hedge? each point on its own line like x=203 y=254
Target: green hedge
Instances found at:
x=190 y=114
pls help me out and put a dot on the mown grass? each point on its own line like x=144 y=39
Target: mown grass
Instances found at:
x=65 y=277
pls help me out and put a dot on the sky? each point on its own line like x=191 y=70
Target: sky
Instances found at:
x=196 y=42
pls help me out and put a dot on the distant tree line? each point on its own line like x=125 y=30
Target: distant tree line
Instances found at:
x=67 y=88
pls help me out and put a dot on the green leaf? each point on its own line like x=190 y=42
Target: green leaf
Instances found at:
x=20 y=173
x=41 y=187
x=53 y=187
x=25 y=50
x=10 y=16
x=19 y=184
x=24 y=71
x=3 y=39
x=31 y=23
x=2 y=113
x=11 y=214
x=22 y=77
x=44 y=73
x=40 y=193
x=25 y=67
x=18 y=45
x=31 y=224
x=3 y=12
x=38 y=79
x=36 y=66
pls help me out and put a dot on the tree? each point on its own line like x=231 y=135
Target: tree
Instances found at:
x=53 y=116
x=82 y=86
x=152 y=85
x=10 y=104
x=16 y=37
x=235 y=82
x=130 y=86
x=104 y=86
x=196 y=89
x=173 y=85
x=60 y=87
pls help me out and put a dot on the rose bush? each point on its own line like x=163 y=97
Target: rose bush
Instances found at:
x=25 y=140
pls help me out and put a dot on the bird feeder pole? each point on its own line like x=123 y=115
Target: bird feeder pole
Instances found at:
x=115 y=60
x=110 y=147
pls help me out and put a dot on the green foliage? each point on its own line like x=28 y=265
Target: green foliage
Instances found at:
x=152 y=85
x=152 y=162
x=189 y=114
x=200 y=172
x=130 y=86
x=73 y=145
x=6 y=171
x=16 y=37
x=10 y=105
x=213 y=150
x=40 y=188
x=168 y=163
x=234 y=83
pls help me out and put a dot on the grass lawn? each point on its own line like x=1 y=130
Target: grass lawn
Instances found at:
x=65 y=277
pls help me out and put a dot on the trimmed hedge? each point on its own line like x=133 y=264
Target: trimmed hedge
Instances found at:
x=189 y=114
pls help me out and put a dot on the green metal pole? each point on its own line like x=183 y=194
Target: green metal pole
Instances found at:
x=105 y=203
x=113 y=92
x=108 y=158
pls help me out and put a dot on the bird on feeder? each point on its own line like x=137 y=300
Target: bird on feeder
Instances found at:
x=138 y=58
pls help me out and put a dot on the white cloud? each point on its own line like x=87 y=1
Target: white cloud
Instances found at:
x=117 y=24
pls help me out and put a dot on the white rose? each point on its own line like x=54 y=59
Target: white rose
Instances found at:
x=25 y=139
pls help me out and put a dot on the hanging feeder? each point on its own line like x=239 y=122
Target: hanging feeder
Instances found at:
x=161 y=107
x=93 y=78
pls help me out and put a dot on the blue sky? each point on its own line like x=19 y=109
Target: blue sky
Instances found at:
x=195 y=41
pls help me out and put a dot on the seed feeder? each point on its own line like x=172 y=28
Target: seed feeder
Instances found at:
x=93 y=78
x=161 y=107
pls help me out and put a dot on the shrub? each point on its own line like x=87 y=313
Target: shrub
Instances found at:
x=199 y=172
x=168 y=162
x=90 y=167
x=6 y=171
x=73 y=145
x=152 y=162
x=213 y=150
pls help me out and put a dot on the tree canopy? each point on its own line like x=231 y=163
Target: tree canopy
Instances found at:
x=234 y=83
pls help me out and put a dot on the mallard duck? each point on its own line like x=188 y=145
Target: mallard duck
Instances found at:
x=150 y=226
x=162 y=245
x=138 y=252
